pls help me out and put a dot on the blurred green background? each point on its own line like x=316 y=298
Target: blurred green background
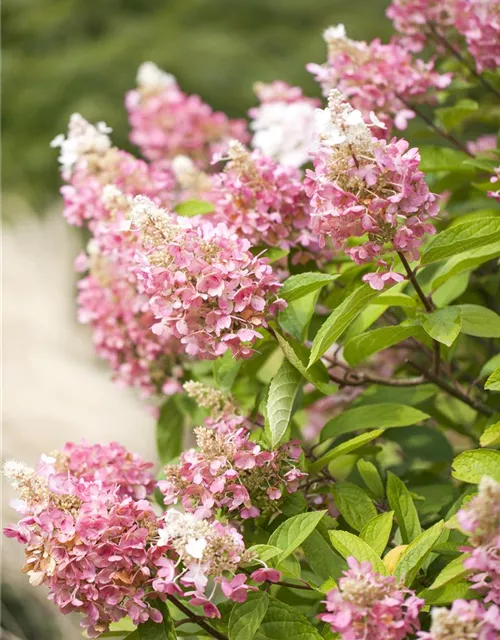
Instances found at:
x=61 y=56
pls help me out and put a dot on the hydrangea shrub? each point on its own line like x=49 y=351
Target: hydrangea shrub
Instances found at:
x=309 y=302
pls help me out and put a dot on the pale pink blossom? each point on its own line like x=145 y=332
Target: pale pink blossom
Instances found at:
x=166 y=122
x=369 y=605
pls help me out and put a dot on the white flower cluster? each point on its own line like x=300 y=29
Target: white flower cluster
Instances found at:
x=83 y=139
x=151 y=77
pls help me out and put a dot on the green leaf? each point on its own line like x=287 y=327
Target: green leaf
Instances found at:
x=471 y=466
x=448 y=593
x=371 y=477
x=321 y=557
x=365 y=345
x=282 y=392
x=491 y=436
x=169 y=430
x=295 y=319
x=443 y=325
x=395 y=299
x=354 y=504
x=345 y=448
x=435 y=159
x=383 y=415
x=284 y=621
x=465 y=261
x=377 y=531
x=226 y=369
x=453 y=570
x=265 y=551
x=451 y=290
x=493 y=382
x=297 y=355
x=191 y=208
x=302 y=284
x=416 y=553
x=490 y=366
x=348 y=544
x=479 y=321
x=452 y=117
x=273 y=254
x=339 y=320
x=246 y=617
x=462 y=237
x=404 y=509
x=165 y=630
x=292 y=533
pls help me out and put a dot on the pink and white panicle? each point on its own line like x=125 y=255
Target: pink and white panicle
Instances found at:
x=262 y=200
x=376 y=77
x=166 y=122
x=479 y=22
x=87 y=545
x=89 y=162
x=364 y=186
x=467 y=620
x=110 y=464
x=480 y=519
x=205 y=288
x=369 y=605
x=229 y=471
x=493 y=180
x=283 y=123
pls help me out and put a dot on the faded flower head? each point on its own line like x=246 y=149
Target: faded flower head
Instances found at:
x=369 y=605
x=464 y=621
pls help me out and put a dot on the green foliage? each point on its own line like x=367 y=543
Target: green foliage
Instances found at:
x=170 y=430
x=282 y=393
x=246 y=618
x=292 y=533
x=354 y=504
x=406 y=514
x=347 y=544
x=443 y=325
x=339 y=320
x=471 y=466
x=190 y=208
x=377 y=531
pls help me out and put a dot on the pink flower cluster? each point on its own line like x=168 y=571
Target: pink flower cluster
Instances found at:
x=89 y=162
x=109 y=464
x=364 y=186
x=262 y=200
x=121 y=329
x=479 y=22
x=413 y=18
x=87 y=545
x=204 y=286
x=480 y=518
x=376 y=77
x=463 y=620
x=108 y=556
x=369 y=605
x=283 y=123
x=230 y=472
x=166 y=122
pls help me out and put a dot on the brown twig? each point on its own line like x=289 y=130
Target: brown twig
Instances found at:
x=432 y=125
x=199 y=620
x=479 y=406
